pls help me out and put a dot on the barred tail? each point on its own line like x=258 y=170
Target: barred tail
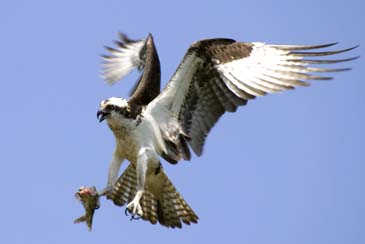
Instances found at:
x=160 y=201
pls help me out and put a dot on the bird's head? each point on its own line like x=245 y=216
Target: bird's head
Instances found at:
x=112 y=107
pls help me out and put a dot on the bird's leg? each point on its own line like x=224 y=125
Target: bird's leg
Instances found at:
x=113 y=173
x=134 y=206
x=105 y=191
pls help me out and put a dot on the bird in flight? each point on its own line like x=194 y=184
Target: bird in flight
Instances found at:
x=214 y=77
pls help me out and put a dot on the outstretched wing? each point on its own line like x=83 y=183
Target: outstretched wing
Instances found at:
x=218 y=75
x=130 y=54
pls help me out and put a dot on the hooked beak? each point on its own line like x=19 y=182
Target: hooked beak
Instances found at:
x=102 y=115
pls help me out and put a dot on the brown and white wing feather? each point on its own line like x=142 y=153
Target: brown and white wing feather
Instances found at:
x=218 y=75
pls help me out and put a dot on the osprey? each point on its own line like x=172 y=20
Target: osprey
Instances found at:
x=215 y=76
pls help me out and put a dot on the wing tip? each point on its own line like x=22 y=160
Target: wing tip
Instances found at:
x=303 y=47
x=108 y=80
x=294 y=52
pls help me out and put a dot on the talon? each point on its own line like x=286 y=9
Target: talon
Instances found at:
x=126 y=212
x=134 y=207
x=133 y=217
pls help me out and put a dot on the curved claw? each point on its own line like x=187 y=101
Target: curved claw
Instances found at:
x=133 y=217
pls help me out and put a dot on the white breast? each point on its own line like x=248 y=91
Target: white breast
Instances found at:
x=132 y=136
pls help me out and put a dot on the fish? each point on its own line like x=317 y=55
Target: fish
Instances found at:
x=89 y=198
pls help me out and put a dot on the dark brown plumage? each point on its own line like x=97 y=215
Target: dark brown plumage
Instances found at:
x=149 y=84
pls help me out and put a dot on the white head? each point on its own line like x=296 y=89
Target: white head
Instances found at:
x=116 y=110
x=111 y=107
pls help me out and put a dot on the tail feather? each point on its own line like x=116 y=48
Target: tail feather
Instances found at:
x=149 y=206
x=164 y=205
x=125 y=188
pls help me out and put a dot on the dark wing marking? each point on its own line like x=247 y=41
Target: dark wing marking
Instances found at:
x=130 y=54
x=218 y=75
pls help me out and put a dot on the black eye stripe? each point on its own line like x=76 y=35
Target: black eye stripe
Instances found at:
x=108 y=106
x=130 y=112
x=117 y=109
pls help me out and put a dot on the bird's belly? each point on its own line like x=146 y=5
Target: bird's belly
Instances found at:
x=129 y=148
x=130 y=142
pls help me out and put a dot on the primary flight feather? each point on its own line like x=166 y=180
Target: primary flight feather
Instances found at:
x=215 y=76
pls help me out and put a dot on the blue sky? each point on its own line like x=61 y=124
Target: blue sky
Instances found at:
x=287 y=168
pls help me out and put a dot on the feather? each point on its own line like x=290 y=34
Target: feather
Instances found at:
x=234 y=72
x=165 y=206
